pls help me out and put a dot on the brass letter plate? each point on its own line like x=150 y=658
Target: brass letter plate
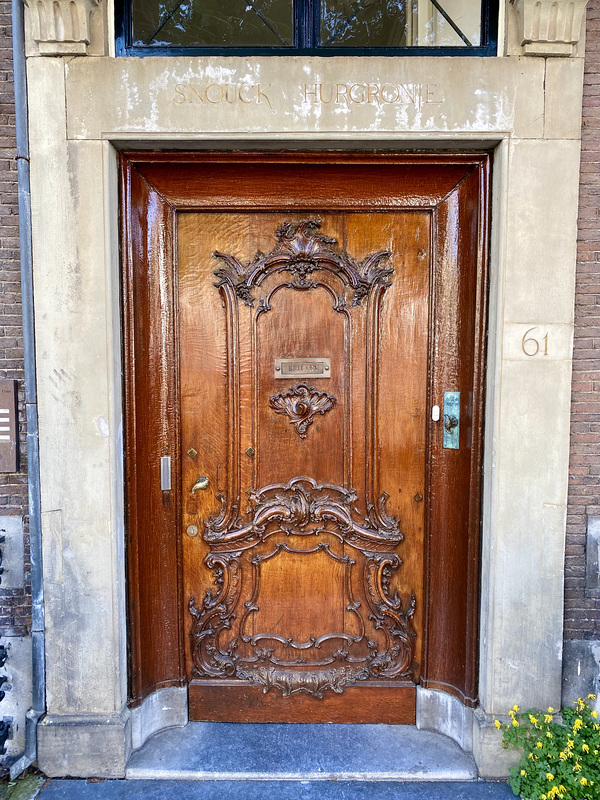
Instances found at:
x=292 y=368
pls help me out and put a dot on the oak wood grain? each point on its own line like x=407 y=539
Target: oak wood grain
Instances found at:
x=199 y=378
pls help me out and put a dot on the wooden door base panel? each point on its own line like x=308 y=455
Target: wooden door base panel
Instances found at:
x=228 y=701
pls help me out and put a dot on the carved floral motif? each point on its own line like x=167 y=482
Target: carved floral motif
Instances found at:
x=300 y=404
x=301 y=250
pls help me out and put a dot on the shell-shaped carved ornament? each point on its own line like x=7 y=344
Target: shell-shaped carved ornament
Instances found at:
x=300 y=404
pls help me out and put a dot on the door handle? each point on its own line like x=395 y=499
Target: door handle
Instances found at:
x=201 y=483
x=450 y=422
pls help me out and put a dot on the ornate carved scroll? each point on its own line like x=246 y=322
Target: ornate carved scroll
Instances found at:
x=301 y=250
x=304 y=508
x=250 y=625
x=300 y=404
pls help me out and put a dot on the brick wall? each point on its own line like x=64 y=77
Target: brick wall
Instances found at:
x=582 y=602
x=15 y=603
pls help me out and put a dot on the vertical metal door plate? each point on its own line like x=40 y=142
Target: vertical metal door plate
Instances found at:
x=451 y=420
x=165 y=473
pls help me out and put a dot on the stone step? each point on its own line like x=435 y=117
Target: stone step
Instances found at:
x=276 y=752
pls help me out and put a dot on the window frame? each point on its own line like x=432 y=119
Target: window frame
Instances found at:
x=306 y=36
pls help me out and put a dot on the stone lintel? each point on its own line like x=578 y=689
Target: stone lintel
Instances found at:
x=550 y=28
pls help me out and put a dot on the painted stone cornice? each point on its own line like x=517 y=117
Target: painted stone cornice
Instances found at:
x=61 y=27
x=550 y=27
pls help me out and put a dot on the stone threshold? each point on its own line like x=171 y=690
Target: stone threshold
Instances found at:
x=203 y=751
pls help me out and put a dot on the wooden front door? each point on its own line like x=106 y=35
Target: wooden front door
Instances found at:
x=302 y=533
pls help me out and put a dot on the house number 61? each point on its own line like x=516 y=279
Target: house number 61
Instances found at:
x=531 y=346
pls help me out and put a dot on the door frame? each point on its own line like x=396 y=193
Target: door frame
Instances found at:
x=150 y=300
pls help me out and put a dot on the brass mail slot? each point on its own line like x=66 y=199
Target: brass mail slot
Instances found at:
x=302 y=368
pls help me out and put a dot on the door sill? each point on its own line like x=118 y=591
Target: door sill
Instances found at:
x=228 y=751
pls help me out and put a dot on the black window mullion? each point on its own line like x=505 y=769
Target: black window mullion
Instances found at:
x=307 y=16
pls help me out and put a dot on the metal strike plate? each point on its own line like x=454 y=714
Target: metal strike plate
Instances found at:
x=451 y=420
x=302 y=368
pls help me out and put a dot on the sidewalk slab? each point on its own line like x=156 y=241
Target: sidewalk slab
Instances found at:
x=68 y=789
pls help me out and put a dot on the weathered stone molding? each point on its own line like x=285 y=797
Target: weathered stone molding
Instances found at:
x=61 y=27
x=550 y=27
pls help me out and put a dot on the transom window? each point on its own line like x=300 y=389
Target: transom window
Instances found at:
x=311 y=27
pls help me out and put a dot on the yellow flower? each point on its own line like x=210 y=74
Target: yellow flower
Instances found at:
x=532 y=719
x=570 y=743
x=584 y=781
x=550 y=710
x=585 y=747
x=539 y=745
x=576 y=767
x=523 y=772
x=515 y=708
x=549 y=735
x=515 y=723
x=563 y=756
x=578 y=724
x=591 y=697
x=530 y=755
x=594 y=714
x=497 y=723
x=550 y=776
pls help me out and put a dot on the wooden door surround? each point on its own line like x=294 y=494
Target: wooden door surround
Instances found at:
x=290 y=320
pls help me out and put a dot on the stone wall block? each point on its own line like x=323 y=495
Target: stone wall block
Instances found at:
x=61 y=27
x=550 y=27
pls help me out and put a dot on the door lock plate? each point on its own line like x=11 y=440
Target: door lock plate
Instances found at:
x=451 y=420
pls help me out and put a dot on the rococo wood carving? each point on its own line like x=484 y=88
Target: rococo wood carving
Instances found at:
x=303 y=508
x=300 y=404
x=360 y=629
x=301 y=250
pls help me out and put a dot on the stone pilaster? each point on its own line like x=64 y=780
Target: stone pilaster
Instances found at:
x=549 y=27
x=61 y=27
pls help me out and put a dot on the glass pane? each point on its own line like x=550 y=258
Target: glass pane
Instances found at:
x=400 y=23
x=205 y=23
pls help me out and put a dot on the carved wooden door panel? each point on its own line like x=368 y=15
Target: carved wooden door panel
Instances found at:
x=290 y=321
x=303 y=357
